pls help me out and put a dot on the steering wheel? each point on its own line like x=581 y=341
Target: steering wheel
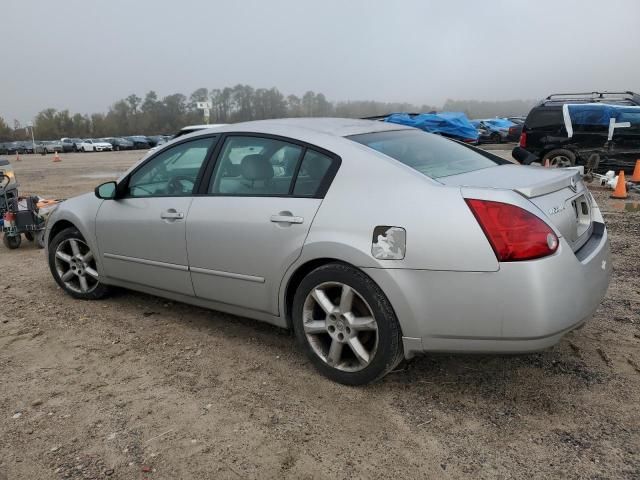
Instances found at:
x=4 y=178
x=175 y=185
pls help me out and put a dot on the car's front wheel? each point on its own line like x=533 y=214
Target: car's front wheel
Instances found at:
x=346 y=325
x=73 y=266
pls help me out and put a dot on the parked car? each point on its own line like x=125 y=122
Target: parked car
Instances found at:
x=90 y=145
x=362 y=236
x=4 y=150
x=484 y=135
x=496 y=130
x=153 y=139
x=119 y=143
x=28 y=146
x=41 y=147
x=545 y=135
x=49 y=147
x=516 y=129
x=70 y=144
x=140 y=142
x=15 y=147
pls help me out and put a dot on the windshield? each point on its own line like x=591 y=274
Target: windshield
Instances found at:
x=431 y=155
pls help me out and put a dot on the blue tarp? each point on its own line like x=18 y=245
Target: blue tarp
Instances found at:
x=599 y=113
x=499 y=122
x=452 y=124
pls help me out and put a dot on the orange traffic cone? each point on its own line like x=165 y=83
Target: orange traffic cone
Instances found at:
x=547 y=164
x=635 y=178
x=56 y=157
x=621 y=187
x=18 y=156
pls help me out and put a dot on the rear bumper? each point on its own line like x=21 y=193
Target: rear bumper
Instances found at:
x=522 y=307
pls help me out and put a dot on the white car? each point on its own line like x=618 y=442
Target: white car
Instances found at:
x=94 y=146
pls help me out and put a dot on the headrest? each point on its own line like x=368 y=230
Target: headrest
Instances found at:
x=256 y=167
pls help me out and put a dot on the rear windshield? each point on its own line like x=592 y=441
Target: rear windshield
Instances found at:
x=431 y=155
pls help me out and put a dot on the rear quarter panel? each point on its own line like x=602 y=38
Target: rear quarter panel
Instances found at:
x=372 y=190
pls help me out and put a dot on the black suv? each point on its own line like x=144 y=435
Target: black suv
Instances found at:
x=544 y=135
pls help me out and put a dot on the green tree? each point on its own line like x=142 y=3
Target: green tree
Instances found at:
x=5 y=131
x=46 y=127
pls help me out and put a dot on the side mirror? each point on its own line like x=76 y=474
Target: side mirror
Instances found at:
x=106 y=191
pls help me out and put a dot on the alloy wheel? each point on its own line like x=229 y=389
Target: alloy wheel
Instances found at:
x=340 y=326
x=76 y=266
x=560 y=161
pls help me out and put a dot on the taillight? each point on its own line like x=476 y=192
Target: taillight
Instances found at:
x=523 y=140
x=514 y=233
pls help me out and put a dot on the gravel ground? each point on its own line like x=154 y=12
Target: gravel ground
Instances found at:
x=138 y=387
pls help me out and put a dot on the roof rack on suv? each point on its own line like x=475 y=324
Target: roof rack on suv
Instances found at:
x=626 y=98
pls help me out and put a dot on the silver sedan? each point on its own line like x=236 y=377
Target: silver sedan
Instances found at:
x=372 y=241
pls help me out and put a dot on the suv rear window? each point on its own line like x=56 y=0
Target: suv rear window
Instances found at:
x=429 y=154
x=544 y=118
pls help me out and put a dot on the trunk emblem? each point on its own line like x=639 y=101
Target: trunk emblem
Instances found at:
x=556 y=210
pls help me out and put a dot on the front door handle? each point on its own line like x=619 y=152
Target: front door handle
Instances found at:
x=171 y=214
x=286 y=217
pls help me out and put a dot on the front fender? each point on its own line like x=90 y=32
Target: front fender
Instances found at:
x=81 y=212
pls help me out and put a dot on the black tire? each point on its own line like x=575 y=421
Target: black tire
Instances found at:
x=560 y=157
x=29 y=236
x=496 y=138
x=12 y=242
x=389 y=352
x=100 y=290
x=117 y=148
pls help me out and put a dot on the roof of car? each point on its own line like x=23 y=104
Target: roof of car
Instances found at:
x=340 y=127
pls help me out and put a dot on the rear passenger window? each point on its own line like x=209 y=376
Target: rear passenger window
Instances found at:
x=312 y=171
x=255 y=166
x=545 y=119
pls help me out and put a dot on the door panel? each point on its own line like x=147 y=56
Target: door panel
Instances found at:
x=142 y=240
x=240 y=247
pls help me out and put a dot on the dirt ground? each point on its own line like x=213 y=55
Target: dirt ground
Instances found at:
x=138 y=387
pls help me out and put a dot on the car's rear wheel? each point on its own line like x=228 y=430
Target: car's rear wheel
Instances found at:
x=73 y=266
x=496 y=138
x=560 y=158
x=346 y=325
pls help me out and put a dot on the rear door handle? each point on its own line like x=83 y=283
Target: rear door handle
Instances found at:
x=171 y=214
x=286 y=219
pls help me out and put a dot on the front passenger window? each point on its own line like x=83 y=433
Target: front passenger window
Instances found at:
x=172 y=172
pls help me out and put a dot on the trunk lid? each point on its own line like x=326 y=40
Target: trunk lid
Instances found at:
x=559 y=193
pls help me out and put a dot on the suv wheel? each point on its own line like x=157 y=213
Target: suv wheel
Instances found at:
x=346 y=325
x=73 y=266
x=560 y=158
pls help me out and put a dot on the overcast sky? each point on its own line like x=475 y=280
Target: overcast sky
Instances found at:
x=86 y=54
